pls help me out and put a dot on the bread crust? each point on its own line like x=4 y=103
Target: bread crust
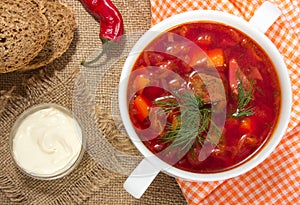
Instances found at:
x=62 y=25
x=24 y=31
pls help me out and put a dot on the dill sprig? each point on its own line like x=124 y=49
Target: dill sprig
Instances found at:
x=167 y=104
x=245 y=96
x=193 y=117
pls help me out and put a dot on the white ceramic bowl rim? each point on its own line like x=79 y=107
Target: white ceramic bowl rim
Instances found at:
x=253 y=33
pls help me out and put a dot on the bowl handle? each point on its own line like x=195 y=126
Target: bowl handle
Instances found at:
x=141 y=178
x=265 y=16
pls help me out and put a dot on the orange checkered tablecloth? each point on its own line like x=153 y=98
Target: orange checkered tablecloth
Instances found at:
x=277 y=179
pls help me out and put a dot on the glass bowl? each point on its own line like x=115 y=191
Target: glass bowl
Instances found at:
x=39 y=142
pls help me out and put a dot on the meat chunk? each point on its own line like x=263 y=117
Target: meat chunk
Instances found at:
x=211 y=89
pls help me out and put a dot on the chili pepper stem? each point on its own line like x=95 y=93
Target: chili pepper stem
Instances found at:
x=87 y=63
x=103 y=40
x=106 y=47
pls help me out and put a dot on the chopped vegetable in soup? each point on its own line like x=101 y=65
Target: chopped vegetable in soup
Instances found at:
x=203 y=97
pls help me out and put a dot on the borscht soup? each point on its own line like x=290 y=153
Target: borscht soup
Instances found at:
x=203 y=97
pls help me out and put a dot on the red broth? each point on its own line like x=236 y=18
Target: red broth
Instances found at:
x=197 y=57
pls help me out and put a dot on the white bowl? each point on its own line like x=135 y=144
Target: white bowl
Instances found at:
x=255 y=34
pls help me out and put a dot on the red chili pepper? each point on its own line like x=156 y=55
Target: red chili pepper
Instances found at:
x=111 y=22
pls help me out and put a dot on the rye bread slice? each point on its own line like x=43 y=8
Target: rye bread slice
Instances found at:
x=62 y=26
x=23 y=33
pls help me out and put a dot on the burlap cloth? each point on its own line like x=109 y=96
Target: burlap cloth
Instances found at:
x=90 y=183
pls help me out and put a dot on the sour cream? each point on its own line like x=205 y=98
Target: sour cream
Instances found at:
x=46 y=142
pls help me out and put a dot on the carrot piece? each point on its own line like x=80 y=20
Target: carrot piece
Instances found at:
x=247 y=126
x=143 y=107
x=216 y=56
x=140 y=83
x=175 y=123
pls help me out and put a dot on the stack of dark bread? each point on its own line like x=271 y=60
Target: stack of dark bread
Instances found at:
x=33 y=33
